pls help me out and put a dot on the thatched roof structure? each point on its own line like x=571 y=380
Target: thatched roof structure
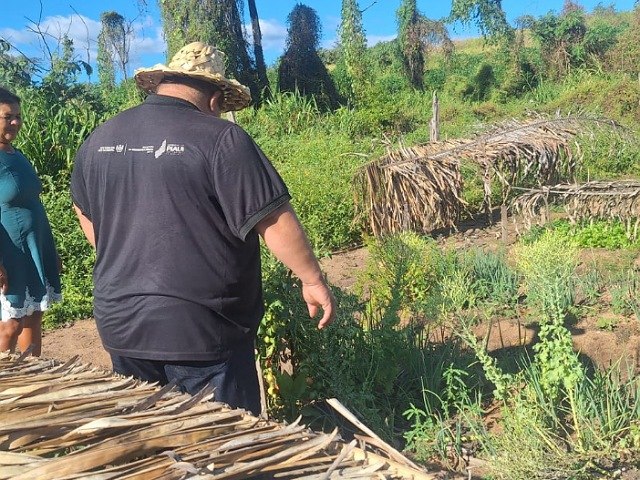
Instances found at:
x=619 y=200
x=406 y=190
x=70 y=421
x=420 y=188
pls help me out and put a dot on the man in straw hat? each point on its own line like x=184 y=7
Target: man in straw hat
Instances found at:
x=174 y=198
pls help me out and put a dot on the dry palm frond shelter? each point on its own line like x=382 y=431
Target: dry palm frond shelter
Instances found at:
x=71 y=421
x=420 y=188
x=406 y=190
x=618 y=200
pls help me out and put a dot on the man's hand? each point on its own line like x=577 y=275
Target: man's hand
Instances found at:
x=284 y=236
x=318 y=295
x=4 y=280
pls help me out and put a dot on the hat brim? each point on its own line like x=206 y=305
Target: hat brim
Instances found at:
x=236 y=96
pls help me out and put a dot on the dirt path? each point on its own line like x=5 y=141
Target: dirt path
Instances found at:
x=80 y=338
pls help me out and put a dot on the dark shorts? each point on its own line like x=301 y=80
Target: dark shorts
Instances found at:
x=235 y=380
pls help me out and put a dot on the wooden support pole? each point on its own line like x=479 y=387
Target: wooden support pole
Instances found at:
x=503 y=223
x=434 y=133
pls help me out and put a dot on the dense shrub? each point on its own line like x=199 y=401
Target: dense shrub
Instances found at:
x=76 y=254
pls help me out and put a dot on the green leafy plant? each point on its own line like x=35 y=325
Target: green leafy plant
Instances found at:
x=548 y=269
x=76 y=254
x=440 y=431
x=607 y=323
x=401 y=278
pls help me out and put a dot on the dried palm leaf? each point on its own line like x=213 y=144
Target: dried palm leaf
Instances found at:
x=614 y=200
x=128 y=429
x=420 y=188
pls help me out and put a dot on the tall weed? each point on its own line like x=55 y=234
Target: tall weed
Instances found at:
x=548 y=269
x=579 y=435
x=282 y=114
x=494 y=280
x=402 y=279
x=374 y=371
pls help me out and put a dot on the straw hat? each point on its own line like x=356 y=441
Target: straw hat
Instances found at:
x=201 y=61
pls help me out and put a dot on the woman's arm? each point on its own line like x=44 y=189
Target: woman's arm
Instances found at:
x=4 y=280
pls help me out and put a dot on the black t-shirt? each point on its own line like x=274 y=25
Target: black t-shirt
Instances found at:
x=173 y=195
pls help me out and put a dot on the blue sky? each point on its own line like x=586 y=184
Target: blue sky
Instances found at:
x=80 y=20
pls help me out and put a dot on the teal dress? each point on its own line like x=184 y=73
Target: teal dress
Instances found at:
x=27 y=248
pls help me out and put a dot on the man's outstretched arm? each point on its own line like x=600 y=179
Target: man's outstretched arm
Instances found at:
x=86 y=225
x=285 y=238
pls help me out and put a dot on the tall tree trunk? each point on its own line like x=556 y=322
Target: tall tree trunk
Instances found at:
x=261 y=67
x=217 y=22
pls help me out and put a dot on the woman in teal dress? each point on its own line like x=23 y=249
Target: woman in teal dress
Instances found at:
x=29 y=266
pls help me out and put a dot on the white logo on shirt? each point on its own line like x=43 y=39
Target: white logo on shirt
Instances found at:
x=169 y=149
x=145 y=149
x=175 y=149
x=121 y=148
x=162 y=149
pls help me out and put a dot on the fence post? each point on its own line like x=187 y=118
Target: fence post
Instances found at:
x=434 y=133
x=503 y=223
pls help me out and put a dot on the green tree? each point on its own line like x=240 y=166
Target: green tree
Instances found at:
x=410 y=42
x=114 y=42
x=261 y=67
x=416 y=36
x=488 y=16
x=522 y=73
x=561 y=39
x=15 y=70
x=106 y=68
x=625 y=56
x=353 y=49
x=217 y=22
x=301 y=68
x=60 y=82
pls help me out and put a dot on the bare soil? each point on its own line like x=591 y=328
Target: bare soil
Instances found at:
x=602 y=346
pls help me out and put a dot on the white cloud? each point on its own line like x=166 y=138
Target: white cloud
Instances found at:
x=82 y=30
x=375 y=39
x=146 y=40
x=274 y=38
x=16 y=37
x=274 y=35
